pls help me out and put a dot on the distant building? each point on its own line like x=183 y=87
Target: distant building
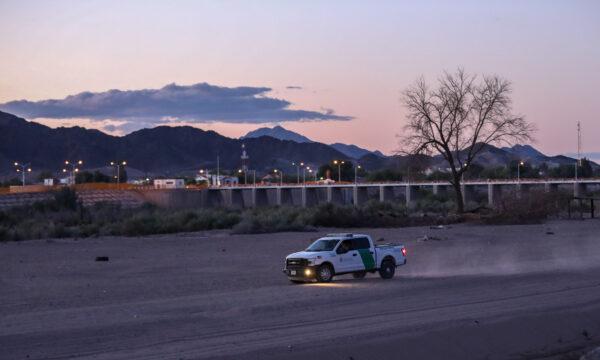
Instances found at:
x=49 y=182
x=223 y=180
x=202 y=178
x=270 y=178
x=66 y=181
x=169 y=184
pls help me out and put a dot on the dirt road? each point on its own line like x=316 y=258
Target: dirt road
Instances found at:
x=467 y=292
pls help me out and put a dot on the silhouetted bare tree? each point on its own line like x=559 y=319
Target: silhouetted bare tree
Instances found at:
x=458 y=118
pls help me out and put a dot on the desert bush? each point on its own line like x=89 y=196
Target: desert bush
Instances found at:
x=527 y=208
x=371 y=214
x=277 y=219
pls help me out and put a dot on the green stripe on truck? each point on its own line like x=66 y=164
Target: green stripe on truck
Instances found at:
x=367 y=258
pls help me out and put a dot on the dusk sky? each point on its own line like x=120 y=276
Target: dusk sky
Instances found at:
x=332 y=70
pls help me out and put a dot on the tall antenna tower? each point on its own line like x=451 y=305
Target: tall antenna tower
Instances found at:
x=577 y=163
x=578 y=141
x=244 y=158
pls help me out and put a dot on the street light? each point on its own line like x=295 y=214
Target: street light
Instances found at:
x=118 y=165
x=521 y=163
x=23 y=168
x=240 y=172
x=280 y=176
x=72 y=167
x=298 y=166
x=304 y=174
x=356 y=174
x=339 y=164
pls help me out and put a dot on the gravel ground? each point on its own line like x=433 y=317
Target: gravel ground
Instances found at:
x=467 y=292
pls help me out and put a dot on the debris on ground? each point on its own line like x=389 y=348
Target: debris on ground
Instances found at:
x=549 y=232
x=428 y=238
x=592 y=355
x=586 y=334
x=438 y=227
x=101 y=258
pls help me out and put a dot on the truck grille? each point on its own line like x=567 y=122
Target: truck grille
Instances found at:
x=297 y=262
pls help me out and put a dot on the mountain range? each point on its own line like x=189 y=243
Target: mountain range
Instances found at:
x=184 y=150
x=161 y=150
x=278 y=132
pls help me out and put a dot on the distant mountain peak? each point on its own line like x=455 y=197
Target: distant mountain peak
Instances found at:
x=277 y=132
x=354 y=151
x=524 y=151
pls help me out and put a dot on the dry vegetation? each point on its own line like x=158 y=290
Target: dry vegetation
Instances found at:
x=65 y=216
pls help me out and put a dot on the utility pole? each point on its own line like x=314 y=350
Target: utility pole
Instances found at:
x=218 y=179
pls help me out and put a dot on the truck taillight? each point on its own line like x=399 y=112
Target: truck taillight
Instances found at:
x=404 y=251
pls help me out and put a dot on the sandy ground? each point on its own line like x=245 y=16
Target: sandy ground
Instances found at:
x=468 y=292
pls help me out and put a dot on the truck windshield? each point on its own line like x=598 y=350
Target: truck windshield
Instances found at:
x=323 y=245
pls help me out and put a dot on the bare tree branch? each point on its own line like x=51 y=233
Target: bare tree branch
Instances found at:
x=459 y=118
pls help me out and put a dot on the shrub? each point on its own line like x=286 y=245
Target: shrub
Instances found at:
x=528 y=208
x=66 y=198
x=273 y=220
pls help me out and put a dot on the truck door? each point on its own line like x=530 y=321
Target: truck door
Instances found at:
x=366 y=252
x=348 y=258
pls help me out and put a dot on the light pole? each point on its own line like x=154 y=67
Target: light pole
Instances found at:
x=218 y=172
x=356 y=174
x=298 y=166
x=201 y=172
x=118 y=166
x=339 y=164
x=304 y=175
x=280 y=176
x=521 y=163
x=240 y=171
x=23 y=168
x=72 y=167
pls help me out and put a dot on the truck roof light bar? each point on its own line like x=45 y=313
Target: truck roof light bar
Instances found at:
x=344 y=235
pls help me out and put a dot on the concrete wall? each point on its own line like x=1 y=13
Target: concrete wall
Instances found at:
x=409 y=194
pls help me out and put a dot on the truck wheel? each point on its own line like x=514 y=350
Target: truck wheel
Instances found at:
x=359 y=274
x=324 y=273
x=387 y=269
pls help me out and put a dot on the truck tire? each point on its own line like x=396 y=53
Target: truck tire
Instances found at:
x=359 y=274
x=387 y=269
x=324 y=273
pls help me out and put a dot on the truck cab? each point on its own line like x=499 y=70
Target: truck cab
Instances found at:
x=338 y=254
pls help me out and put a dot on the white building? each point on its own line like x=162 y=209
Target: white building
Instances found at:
x=169 y=184
x=223 y=180
x=202 y=178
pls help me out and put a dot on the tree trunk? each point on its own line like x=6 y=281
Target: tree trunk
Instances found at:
x=460 y=205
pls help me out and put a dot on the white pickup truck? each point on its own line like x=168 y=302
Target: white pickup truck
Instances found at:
x=337 y=254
